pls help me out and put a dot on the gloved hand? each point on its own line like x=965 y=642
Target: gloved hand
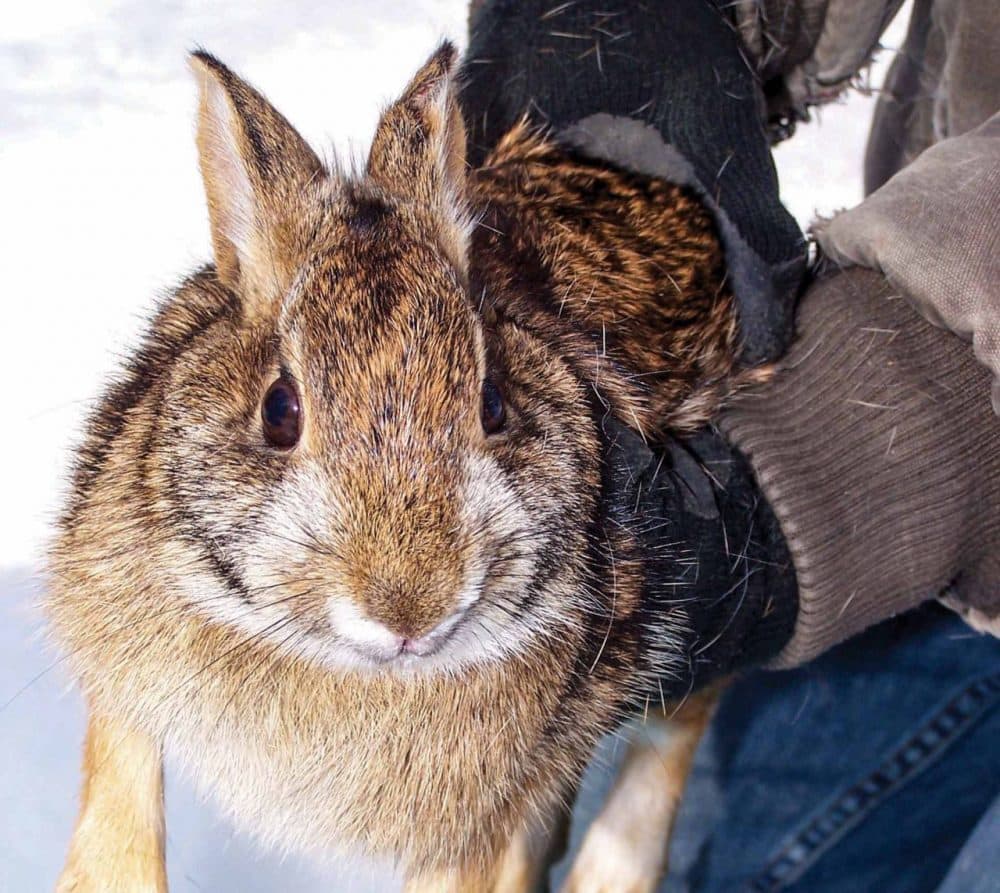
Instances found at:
x=662 y=89
x=712 y=548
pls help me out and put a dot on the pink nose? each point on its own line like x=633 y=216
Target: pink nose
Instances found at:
x=374 y=638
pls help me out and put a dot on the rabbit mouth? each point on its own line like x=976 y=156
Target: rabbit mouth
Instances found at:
x=409 y=651
x=378 y=646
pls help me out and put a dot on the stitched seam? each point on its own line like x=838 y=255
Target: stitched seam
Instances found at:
x=920 y=751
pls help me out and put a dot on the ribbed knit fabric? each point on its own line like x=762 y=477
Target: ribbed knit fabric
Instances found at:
x=877 y=449
x=933 y=230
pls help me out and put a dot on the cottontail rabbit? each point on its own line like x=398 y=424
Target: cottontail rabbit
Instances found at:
x=343 y=538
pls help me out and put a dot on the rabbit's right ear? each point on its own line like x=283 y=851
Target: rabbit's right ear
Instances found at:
x=256 y=169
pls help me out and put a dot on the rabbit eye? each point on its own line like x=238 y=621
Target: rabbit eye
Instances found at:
x=281 y=414
x=493 y=409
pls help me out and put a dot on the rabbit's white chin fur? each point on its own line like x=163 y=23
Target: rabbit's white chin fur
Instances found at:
x=480 y=629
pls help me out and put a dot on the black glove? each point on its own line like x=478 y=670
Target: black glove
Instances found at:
x=661 y=88
x=711 y=543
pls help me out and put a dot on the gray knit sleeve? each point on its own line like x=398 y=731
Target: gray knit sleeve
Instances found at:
x=878 y=453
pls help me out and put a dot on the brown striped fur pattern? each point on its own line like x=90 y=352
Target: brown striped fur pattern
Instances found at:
x=213 y=592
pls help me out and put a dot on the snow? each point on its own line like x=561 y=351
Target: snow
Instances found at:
x=103 y=212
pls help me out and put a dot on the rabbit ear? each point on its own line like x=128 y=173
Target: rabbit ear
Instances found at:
x=255 y=167
x=418 y=152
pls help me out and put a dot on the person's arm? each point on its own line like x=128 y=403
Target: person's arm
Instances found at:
x=876 y=444
x=884 y=489
x=880 y=456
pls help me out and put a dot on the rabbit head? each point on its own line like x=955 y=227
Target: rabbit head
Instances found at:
x=345 y=452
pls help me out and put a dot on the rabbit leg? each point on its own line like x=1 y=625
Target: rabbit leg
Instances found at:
x=521 y=868
x=117 y=845
x=625 y=849
x=524 y=865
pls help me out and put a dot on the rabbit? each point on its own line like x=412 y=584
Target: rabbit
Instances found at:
x=342 y=538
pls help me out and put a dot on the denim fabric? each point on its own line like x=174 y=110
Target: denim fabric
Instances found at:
x=976 y=869
x=866 y=770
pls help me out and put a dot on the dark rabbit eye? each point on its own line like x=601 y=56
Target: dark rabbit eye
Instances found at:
x=493 y=410
x=281 y=414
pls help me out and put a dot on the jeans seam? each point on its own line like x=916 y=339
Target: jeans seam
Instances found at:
x=918 y=752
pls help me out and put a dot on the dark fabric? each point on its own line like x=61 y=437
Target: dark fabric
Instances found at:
x=807 y=52
x=713 y=548
x=677 y=68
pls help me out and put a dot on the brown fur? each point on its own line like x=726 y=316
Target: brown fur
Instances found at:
x=632 y=263
x=119 y=837
x=626 y=846
x=195 y=568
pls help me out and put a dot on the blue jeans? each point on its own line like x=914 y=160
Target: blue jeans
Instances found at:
x=867 y=770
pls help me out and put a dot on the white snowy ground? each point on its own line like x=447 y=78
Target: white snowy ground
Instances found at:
x=102 y=210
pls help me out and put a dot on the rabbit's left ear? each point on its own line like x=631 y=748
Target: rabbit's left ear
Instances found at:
x=256 y=169
x=418 y=152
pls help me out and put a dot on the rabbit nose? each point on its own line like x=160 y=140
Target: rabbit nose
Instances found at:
x=386 y=640
x=408 y=607
x=424 y=645
x=406 y=628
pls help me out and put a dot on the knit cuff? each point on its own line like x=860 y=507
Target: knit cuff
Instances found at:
x=877 y=449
